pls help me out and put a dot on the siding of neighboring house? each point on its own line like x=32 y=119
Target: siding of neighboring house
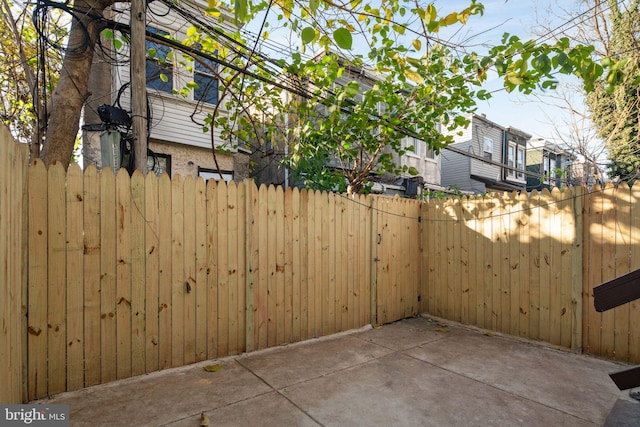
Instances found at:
x=176 y=133
x=481 y=130
x=469 y=174
x=456 y=168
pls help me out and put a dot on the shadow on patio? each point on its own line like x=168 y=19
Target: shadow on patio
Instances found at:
x=420 y=371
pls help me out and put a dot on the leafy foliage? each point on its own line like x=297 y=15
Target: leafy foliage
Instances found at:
x=18 y=68
x=354 y=108
x=616 y=108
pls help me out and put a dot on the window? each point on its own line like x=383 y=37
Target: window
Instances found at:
x=511 y=160
x=487 y=147
x=204 y=76
x=430 y=154
x=546 y=168
x=207 y=174
x=414 y=147
x=520 y=162
x=159 y=67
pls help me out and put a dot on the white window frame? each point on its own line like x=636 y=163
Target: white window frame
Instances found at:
x=415 y=144
x=430 y=154
x=487 y=147
x=546 y=168
x=167 y=64
x=511 y=159
x=520 y=161
x=200 y=70
x=208 y=174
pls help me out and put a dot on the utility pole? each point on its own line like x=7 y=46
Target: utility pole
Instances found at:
x=138 y=84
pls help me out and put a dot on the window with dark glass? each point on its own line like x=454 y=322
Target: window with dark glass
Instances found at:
x=159 y=67
x=204 y=76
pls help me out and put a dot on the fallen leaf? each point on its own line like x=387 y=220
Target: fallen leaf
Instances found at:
x=441 y=330
x=204 y=420
x=212 y=368
x=442 y=325
x=377 y=327
x=489 y=334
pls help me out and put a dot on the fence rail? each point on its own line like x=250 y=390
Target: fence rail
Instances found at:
x=109 y=276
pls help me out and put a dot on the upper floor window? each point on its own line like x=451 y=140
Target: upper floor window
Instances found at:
x=204 y=71
x=546 y=169
x=511 y=159
x=430 y=154
x=159 y=67
x=487 y=147
x=414 y=146
x=520 y=161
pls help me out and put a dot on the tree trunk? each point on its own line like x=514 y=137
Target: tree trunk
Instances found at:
x=71 y=92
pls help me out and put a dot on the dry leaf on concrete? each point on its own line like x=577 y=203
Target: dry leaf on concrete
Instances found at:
x=212 y=368
x=441 y=330
x=204 y=420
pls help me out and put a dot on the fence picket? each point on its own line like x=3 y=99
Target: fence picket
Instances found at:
x=555 y=240
x=199 y=286
x=634 y=306
x=232 y=269
x=37 y=305
x=123 y=274
x=165 y=307
x=138 y=276
x=524 y=306
x=75 y=292
x=621 y=314
x=151 y=253
x=607 y=344
x=108 y=282
x=189 y=256
x=91 y=276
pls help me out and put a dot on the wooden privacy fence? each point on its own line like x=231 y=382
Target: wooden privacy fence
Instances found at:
x=129 y=275
x=526 y=265
x=107 y=277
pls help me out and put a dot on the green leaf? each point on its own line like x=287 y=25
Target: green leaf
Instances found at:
x=151 y=53
x=413 y=171
x=451 y=18
x=240 y=10
x=308 y=34
x=417 y=44
x=431 y=14
x=107 y=34
x=413 y=76
x=191 y=31
x=164 y=78
x=343 y=38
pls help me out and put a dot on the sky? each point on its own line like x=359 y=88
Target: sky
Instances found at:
x=519 y=18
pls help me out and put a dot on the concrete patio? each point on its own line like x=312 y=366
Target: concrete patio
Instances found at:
x=420 y=371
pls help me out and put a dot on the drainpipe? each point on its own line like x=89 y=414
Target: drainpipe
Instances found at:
x=505 y=154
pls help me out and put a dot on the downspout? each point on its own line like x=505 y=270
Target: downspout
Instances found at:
x=505 y=155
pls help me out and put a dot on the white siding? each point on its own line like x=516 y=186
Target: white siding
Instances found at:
x=456 y=168
x=170 y=113
x=483 y=130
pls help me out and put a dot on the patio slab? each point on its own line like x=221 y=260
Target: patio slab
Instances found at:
x=420 y=371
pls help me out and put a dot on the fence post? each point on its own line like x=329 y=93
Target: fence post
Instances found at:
x=249 y=294
x=374 y=261
x=577 y=278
